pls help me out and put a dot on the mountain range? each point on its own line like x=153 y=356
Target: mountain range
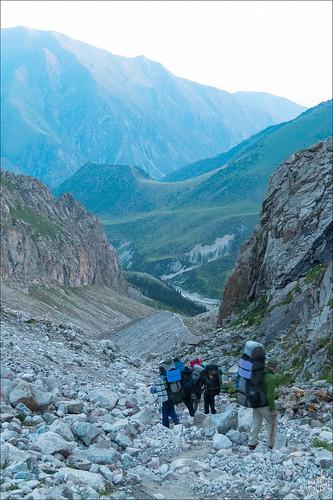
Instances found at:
x=65 y=103
x=189 y=233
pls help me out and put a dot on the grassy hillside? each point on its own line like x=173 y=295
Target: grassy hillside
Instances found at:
x=274 y=144
x=190 y=232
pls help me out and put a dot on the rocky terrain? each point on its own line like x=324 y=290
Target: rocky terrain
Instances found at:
x=78 y=421
x=54 y=242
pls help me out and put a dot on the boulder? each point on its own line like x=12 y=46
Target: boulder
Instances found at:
x=226 y=421
x=43 y=399
x=20 y=391
x=87 y=432
x=51 y=443
x=324 y=459
x=144 y=416
x=104 y=397
x=123 y=440
x=61 y=428
x=236 y=437
x=72 y=406
x=101 y=456
x=221 y=442
x=91 y=479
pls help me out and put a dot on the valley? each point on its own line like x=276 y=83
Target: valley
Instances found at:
x=156 y=226
x=145 y=217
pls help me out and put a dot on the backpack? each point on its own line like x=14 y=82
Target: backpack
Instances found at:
x=214 y=384
x=161 y=391
x=251 y=369
x=172 y=377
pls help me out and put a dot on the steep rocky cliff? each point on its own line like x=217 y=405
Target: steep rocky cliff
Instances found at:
x=49 y=241
x=283 y=275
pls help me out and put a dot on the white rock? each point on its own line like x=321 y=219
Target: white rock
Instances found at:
x=220 y=441
x=95 y=481
x=194 y=465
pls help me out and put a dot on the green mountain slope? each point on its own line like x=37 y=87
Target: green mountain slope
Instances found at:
x=314 y=124
x=189 y=233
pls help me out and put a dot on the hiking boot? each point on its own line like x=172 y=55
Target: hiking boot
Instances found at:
x=252 y=446
x=213 y=412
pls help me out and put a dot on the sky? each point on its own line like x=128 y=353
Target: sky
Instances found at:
x=280 y=47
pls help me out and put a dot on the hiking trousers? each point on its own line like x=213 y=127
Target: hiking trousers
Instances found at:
x=209 y=402
x=258 y=415
x=168 y=411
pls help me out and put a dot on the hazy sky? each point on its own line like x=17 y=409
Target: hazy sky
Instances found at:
x=280 y=47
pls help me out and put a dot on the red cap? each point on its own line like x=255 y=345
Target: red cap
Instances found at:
x=195 y=362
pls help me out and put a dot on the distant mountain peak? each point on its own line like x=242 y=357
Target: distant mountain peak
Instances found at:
x=105 y=108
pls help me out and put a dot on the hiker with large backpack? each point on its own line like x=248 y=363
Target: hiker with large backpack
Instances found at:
x=192 y=380
x=211 y=379
x=257 y=384
x=169 y=390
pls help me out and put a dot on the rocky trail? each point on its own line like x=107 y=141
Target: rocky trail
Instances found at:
x=78 y=422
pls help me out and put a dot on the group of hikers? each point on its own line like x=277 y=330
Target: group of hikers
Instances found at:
x=255 y=384
x=178 y=383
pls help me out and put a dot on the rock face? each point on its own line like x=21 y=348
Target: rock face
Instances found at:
x=52 y=242
x=294 y=233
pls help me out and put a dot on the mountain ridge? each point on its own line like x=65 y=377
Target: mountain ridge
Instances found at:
x=75 y=103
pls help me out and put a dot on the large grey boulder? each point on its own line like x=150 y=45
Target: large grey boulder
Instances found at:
x=61 y=428
x=87 y=432
x=95 y=481
x=10 y=453
x=104 y=397
x=123 y=440
x=72 y=406
x=20 y=391
x=226 y=421
x=101 y=456
x=51 y=443
x=323 y=458
x=43 y=398
x=144 y=416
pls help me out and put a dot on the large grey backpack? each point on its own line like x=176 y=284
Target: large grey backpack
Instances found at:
x=173 y=379
x=251 y=370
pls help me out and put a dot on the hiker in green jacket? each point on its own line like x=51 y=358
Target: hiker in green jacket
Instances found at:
x=269 y=412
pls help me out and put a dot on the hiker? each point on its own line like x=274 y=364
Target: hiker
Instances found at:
x=268 y=412
x=188 y=385
x=168 y=410
x=211 y=379
x=198 y=373
x=209 y=396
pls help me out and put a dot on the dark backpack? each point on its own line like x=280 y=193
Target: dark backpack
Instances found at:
x=251 y=370
x=173 y=378
x=213 y=385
